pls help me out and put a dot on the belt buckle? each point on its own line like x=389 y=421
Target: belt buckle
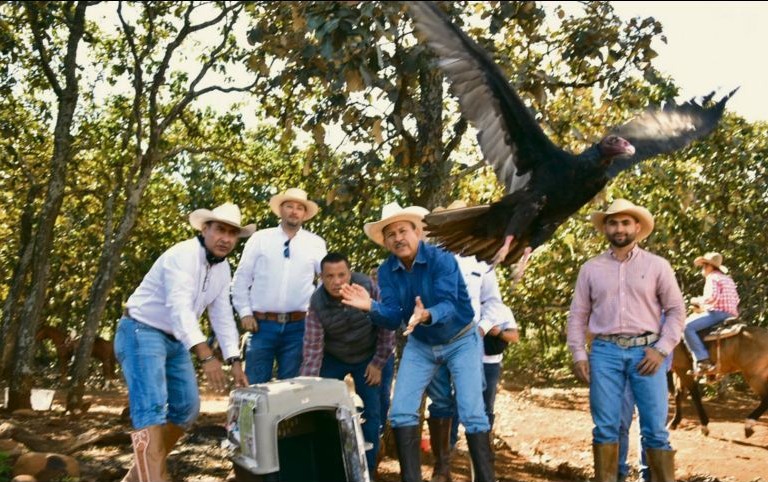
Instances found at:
x=623 y=341
x=283 y=317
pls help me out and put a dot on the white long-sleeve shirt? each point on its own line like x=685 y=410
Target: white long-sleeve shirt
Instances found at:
x=482 y=287
x=268 y=281
x=501 y=316
x=177 y=289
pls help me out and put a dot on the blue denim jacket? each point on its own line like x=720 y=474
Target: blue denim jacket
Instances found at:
x=435 y=276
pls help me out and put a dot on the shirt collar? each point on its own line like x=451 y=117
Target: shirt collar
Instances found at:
x=284 y=235
x=421 y=258
x=631 y=255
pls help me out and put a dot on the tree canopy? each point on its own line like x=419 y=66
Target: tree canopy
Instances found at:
x=190 y=104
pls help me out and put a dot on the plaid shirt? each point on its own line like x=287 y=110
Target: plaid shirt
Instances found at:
x=720 y=293
x=314 y=337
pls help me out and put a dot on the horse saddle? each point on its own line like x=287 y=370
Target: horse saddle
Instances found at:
x=730 y=327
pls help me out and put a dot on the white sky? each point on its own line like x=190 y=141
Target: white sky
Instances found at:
x=713 y=45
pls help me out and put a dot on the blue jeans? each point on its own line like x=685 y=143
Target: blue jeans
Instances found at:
x=440 y=391
x=371 y=396
x=283 y=341
x=612 y=369
x=387 y=374
x=420 y=363
x=492 y=373
x=627 y=411
x=691 y=337
x=443 y=401
x=162 y=386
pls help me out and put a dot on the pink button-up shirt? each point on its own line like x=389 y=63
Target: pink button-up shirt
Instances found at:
x=625 y=297
x=720 y=293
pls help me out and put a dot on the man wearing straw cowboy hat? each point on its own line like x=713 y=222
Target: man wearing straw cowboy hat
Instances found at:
x=619 y=298
x=160 y=326
x=272 y=286
x=422 y=287
x=719 y=302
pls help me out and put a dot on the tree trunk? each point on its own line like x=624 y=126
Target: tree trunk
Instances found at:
x=435 y=169
x=10 y=320
x=22 y=374
x=109 y=263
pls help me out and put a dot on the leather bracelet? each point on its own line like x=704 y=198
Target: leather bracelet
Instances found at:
x=208 y=358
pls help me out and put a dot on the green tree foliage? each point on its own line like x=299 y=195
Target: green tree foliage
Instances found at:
x=350 y=107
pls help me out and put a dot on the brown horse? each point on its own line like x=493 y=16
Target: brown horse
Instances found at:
x=745 y=352
x=103 y=350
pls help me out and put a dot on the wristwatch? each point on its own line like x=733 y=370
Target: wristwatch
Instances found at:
x=234 y=359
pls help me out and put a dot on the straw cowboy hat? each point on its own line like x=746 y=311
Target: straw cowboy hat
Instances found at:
x=457 y=204
x=293 y=194
x=391 y=213
x=227 y=213
x=622 y=206
x=713 y=259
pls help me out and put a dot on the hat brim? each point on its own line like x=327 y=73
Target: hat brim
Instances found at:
x=278 y=199
x=375 y=231
x=701 y=260
x=199 y=217
x=642 y=215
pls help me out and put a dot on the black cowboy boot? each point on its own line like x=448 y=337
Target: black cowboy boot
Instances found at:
x=482 y=456
x=408 y=447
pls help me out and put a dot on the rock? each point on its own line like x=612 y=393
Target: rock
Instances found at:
x=24 y=412
x=24 y=478
x=46 y=466
x=11 y=448
x=7 y=429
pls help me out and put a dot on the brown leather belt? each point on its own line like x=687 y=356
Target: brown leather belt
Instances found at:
x=281 y=317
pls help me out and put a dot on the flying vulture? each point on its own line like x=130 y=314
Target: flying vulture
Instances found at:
x=544 y=184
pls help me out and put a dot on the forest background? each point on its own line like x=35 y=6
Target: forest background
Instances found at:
x=117 y=119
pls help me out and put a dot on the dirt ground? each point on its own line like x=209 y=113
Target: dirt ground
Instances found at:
x=541 y=434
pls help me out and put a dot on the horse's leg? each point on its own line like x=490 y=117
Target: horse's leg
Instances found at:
x=758 y=385
x=749 y=424
x=62 y=354
x=678 y=416
x=679 y=394
x=693 y=389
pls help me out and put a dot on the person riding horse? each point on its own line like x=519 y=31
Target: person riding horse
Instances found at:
x=719 y=302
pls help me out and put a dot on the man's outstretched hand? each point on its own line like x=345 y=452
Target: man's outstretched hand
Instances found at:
x=356 y=296
x=420 y=315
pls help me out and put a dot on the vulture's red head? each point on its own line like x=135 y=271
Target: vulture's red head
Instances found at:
x=614 y=146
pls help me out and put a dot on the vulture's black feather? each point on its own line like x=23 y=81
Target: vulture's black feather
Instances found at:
x=544 y=183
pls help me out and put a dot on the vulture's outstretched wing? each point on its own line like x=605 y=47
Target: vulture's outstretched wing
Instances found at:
x=666 y=130
x=511 y=140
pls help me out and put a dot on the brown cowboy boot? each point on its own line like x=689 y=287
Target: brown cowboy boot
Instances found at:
x=149 y=456
x=661 y=462
x=440 y=439
x=606 y=462
x=171 y=434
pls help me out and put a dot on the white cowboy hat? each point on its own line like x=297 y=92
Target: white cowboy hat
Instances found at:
x=392 y=213
x=457 y=204
x=227 y=213
x=293 y=194
x=642 y=215
x=714 y=259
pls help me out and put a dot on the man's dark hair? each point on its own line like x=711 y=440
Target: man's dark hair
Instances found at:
x=334 y=258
